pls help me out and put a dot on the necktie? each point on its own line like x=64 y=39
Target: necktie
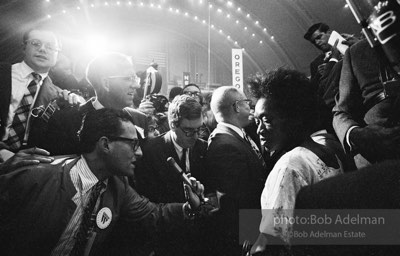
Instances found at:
x=18 y=125
x=88 y=219
x=254 y=147
x=183 y=160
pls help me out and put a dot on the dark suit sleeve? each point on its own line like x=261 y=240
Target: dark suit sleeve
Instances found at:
x=138 y=210
x=348 y=109
x=61 y=133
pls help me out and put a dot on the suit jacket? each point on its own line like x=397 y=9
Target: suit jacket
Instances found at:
x=48 y=91
x=359 y=83
x=158 y=181
x=155 y=179
x=315 y=76
x=37 y=206
x=59 y=135
x=232 y=167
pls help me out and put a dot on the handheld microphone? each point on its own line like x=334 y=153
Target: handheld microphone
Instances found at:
x=176 y=167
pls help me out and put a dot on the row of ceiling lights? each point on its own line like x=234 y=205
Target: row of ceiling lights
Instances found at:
x=178 y=11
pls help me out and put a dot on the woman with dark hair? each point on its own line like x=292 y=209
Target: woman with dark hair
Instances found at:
x=286 y=114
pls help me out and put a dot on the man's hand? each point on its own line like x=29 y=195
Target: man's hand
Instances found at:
x=25 y=157
x=195 y=193
x=71 y=98
x=376 y=142
x=350 y=39
x=260 y=245
x=146 y=107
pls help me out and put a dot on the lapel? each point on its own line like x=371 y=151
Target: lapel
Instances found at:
x=5 y=95
x=87 y=107
x=169 y=147
x=48 y=92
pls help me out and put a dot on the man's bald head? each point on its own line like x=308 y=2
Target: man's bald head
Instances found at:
x=222 y=102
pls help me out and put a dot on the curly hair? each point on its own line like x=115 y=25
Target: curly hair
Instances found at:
x=290 y=91
x=183 y=106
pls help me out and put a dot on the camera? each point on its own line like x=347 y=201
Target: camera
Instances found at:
x=160 y=102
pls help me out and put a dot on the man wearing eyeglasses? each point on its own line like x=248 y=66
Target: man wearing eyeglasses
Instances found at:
x=159 y=182
x=26 y=86
x=114 y=81
x=194 y=91
x=234 y=166
x=73 y=205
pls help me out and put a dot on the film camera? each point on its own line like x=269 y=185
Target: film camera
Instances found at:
x=160 y=102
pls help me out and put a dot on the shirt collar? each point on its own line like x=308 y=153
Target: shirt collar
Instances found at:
x=96 y=104
x=176 y=145
x=235 y=128
x=87 y=177
x=27 y=70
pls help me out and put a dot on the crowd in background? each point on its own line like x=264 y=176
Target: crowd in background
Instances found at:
x=294 y=142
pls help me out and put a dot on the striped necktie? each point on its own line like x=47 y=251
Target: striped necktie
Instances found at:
x=19 y=123
x=88 y=220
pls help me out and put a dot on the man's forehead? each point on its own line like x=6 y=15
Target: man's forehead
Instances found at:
x=128 y=129
x=315 y=34
x=43 y=35
x=191 y=122
x=191 y=89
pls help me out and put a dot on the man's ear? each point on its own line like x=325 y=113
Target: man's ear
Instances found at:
x=105 y=83
x=236 y=108
x=104 y=144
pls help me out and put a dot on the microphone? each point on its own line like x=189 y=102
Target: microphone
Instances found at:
x=177 y=168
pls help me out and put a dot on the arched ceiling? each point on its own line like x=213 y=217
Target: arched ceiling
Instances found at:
x=269 y=31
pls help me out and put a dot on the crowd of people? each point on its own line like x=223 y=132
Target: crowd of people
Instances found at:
x=84 y=169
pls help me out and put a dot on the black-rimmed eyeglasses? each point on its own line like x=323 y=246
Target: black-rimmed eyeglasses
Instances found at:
x=192 y=132
x=134 y=143
x=191 y=94
x=37 y=44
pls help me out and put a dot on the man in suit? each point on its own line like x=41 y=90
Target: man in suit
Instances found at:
x=26 y=86
x=363 y=110
x=234 y=166
x=161 y=183
x=47 y=209
x=114 y=80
